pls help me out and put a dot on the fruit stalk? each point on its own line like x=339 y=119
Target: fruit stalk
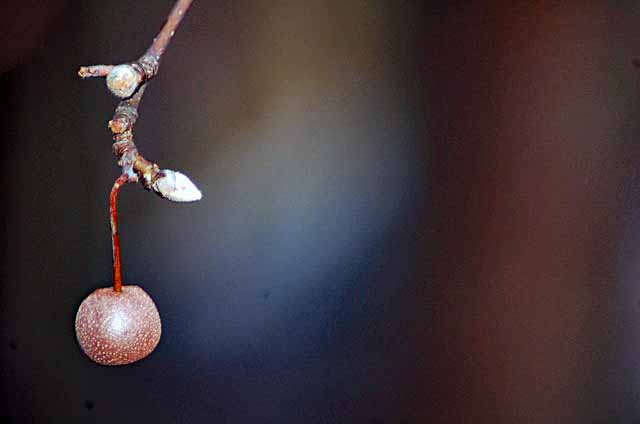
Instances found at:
x=115 y=240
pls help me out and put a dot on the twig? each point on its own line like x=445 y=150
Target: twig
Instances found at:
x=129 y=81
x=94 y=71
x=161 y=42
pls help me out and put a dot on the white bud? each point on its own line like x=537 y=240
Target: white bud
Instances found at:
x=176 y=187
x=123 y=80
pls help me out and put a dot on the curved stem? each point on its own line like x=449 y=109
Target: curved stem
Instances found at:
x=115 y=240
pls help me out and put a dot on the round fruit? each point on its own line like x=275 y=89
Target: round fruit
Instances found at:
x=118 y=328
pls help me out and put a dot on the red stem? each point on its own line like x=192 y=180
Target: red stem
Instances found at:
x=115 y=240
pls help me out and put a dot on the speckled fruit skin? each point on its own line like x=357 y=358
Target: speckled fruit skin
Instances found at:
x=118 y=328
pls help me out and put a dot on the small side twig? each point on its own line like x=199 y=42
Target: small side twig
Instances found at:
x=94 y=71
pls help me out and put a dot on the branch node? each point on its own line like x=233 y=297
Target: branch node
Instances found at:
x=119 y=124
x=150 y=65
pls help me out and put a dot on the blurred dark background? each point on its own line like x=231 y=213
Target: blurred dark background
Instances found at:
x=413 y=212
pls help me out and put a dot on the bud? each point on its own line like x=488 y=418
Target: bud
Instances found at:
x=123 y=80
x=176 y=187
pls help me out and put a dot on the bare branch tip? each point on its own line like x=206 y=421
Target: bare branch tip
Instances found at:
x=94 y=71
x=84 y=72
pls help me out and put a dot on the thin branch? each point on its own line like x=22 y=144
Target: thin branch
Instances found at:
x=161 y=42
x=129 y=81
